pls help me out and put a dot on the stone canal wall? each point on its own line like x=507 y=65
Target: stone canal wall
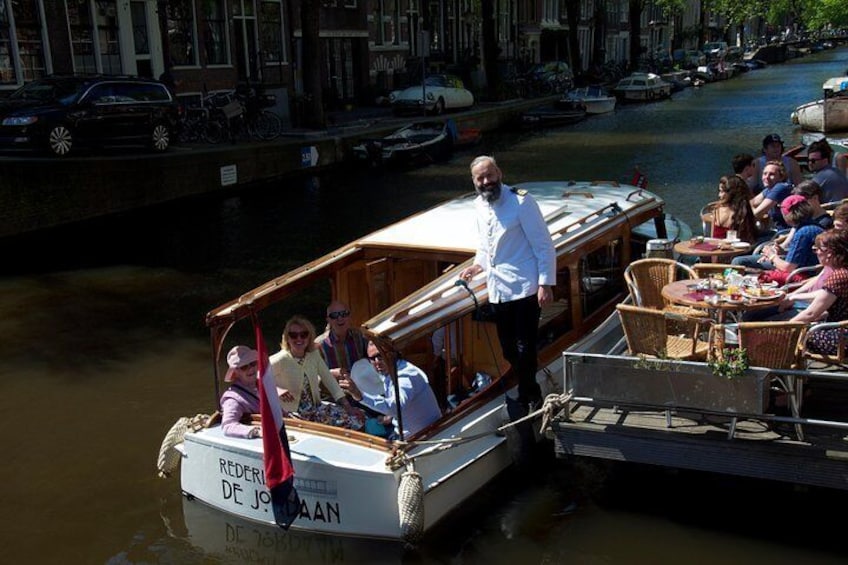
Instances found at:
x=39 y=193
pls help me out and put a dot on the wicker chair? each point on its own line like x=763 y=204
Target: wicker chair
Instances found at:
x=838 y=359
x=650 y=332
x=774 y=345
x=645 y=279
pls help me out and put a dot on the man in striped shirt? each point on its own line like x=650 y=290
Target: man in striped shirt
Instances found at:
x=341 y=345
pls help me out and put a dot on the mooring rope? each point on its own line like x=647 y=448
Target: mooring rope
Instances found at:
x=169 y=457
x=552 y=404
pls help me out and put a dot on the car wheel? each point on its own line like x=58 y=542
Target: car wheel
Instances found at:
x=160 y=138
x=439 y=108
x=60 y=140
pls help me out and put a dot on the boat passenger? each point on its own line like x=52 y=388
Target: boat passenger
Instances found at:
x=832 y=298
x=833 y=182
x=515 y=250
x=242 y=397
x=299 y=369
x=418 y=405
x=776 y=188
x=744 y=166
x=341 y=345
x=773 y=151
x=733 y=210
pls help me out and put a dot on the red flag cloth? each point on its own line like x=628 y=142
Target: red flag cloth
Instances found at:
x=279 y=472
x=639 y=179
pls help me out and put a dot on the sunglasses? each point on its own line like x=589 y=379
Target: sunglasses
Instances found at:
x=339 y=314
x=248 y=367
x=299 y=335
x=377 y=357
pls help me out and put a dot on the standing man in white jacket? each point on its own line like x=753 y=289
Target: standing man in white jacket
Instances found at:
x=517 y=254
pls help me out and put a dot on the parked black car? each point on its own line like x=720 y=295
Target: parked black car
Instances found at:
x=60 y=113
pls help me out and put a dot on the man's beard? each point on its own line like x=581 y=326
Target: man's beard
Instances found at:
x=490 y=192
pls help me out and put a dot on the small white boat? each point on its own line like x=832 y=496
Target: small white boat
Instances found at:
x=419 y=143
x=595 y=99
x=402 y=282
x=642 y=87
x=828 y=114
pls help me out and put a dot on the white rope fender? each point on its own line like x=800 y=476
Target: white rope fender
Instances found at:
x=169 y=457
x=411 y=505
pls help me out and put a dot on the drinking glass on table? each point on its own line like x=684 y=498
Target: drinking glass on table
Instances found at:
x=732 y=235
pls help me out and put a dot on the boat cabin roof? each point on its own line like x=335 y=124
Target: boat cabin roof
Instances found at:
x=573 y=210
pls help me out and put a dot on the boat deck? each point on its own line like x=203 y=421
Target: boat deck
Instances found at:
x=759 y=449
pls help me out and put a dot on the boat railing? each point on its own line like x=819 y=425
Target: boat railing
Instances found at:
x=600 y=374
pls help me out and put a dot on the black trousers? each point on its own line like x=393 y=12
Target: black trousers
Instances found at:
x=518 y=330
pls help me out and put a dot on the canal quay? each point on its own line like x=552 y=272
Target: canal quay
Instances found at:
x=104 y=346
x=41 y=192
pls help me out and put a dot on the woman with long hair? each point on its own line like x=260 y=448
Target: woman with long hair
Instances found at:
x=733 y=210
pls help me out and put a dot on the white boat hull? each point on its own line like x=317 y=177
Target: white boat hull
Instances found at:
x=345 y=488
x=826 y=115
x=599 y=105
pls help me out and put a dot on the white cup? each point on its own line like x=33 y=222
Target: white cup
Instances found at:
x=732 y=235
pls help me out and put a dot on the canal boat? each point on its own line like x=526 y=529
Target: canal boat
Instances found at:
x=414 y=144
x=402 y=285
x=828 y=114
x=642 y=87
x=595 y=99
x=560 y=114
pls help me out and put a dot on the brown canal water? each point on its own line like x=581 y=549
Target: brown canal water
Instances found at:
x=103 y=347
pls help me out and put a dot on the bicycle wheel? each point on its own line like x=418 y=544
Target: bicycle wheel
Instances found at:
x=213 y=132
x=267 y=125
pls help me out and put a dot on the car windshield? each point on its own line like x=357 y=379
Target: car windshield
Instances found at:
x=435 y=80
x=63 y=92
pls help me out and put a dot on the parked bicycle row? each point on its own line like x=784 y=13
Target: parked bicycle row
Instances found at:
x=240 y=114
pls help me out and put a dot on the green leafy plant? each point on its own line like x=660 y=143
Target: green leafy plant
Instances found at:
x=731 y=364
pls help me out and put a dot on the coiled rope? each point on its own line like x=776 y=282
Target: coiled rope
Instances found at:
x=169 y=457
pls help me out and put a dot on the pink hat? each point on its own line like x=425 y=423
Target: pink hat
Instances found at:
x=791 y=201
x=239 y=356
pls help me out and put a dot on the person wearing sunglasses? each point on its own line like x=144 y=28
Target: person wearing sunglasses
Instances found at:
x=242 y=397
x=833 y=182
x=299 y=371
x=341 y=345
x=418 y=406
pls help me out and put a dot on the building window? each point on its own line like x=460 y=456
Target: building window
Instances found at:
x=386 y=16
x=271 y=35
x=215 y=32
x=7 y=71
x=28 y=32
x=181 y=33
x=81 y=26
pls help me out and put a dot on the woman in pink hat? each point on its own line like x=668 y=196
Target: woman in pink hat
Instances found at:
x=243 y=395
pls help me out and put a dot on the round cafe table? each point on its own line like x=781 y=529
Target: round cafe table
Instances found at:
x=711 y=249
x=685 y=293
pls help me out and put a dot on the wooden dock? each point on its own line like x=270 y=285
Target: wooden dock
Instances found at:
x=765 y=448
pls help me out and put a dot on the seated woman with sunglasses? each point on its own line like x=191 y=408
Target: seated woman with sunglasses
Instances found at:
x=300 y=370
x=831 y=299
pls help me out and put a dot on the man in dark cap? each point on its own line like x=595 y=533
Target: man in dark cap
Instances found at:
x=773 y=151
